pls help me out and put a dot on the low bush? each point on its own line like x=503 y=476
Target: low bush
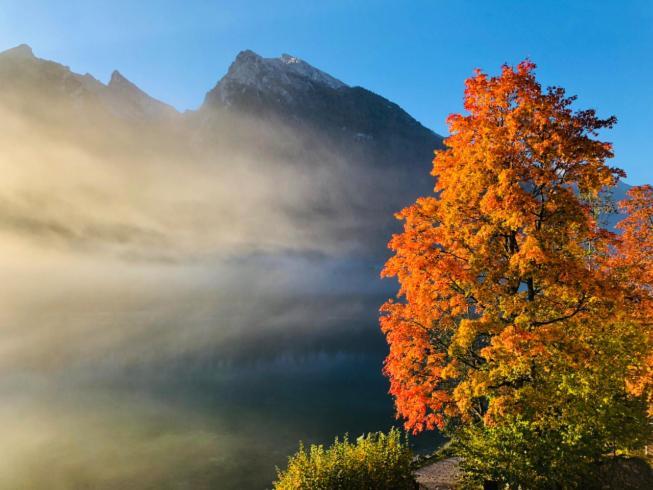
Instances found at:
x=376 y=461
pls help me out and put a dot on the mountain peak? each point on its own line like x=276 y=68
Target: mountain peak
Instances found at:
x=118 y=80
x=23 y=51
x=246 y=56
x=281 y=77
x=128 y=100
x=250 y=66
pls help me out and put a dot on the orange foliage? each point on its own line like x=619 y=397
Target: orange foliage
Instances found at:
x=502 y=270
x=634 y=260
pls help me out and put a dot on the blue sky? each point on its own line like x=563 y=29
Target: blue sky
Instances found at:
x=416 y=53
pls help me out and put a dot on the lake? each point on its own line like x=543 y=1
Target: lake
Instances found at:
x=127 y=384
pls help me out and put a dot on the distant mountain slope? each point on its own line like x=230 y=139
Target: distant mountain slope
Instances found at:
x=23 y=74
x=331 y=162
x=352 y=120
x=291 y=90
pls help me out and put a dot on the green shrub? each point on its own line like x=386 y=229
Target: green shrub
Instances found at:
x=375 y=461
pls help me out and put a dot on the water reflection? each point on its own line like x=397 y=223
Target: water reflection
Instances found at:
x=214 y=427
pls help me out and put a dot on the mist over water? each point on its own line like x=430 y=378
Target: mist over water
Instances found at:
x=178 y=311
x=209 y=426
x=133 y=384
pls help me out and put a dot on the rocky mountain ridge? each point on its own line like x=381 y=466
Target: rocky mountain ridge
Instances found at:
x=21 y=70
x=252 y=83
x=351 y=158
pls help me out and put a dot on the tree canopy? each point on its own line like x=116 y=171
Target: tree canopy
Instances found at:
x=516 y=308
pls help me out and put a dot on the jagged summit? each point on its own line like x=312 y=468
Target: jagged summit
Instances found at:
x=286 y=67
x=21 y=73
x=118 y=79
x=281 y=76
x=20 y=51
x=128 y=100
x=118 y=83
x=290 y=91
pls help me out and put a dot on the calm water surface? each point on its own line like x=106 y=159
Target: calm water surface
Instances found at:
x=219 y=416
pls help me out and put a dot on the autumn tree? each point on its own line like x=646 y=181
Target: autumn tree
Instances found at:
x=510 y=323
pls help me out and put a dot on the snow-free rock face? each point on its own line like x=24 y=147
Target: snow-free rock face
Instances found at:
x=127 y=100
x=21 y=71
x=31 y=80
x=22 y=51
